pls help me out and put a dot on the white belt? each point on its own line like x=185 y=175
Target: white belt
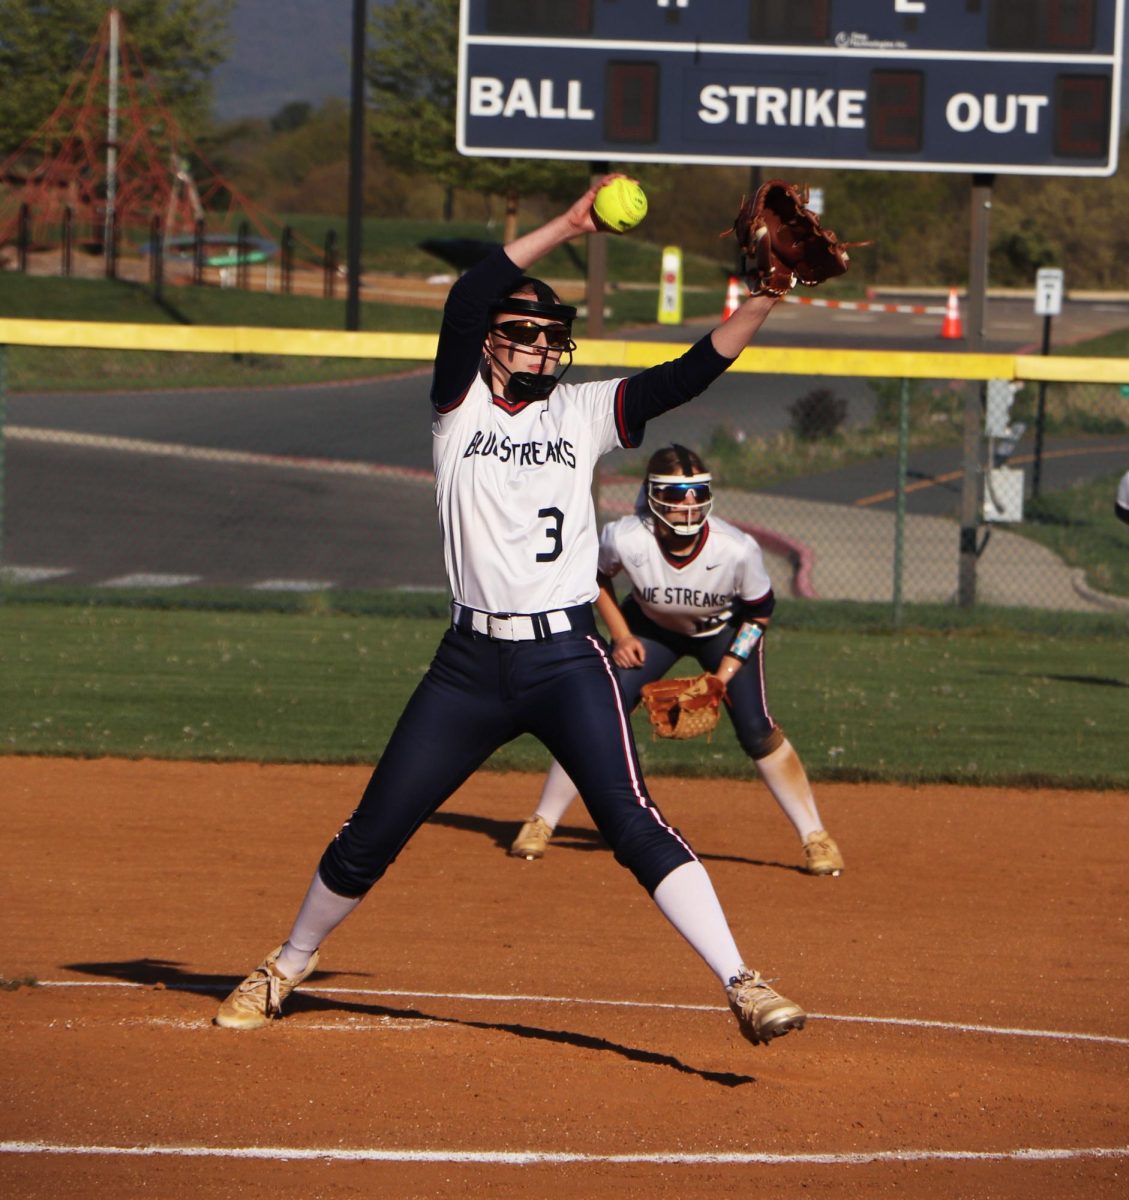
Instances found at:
x=512 y=627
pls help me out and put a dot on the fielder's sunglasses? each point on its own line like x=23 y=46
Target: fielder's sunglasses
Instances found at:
x=526 y=333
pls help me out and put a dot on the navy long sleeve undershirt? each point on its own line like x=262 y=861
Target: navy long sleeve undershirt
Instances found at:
x=466 y=318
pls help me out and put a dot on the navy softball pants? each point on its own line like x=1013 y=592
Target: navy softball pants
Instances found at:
x=479 y=694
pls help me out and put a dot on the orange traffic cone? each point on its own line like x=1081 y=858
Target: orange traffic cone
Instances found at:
x=732 y=298
x=951 y=326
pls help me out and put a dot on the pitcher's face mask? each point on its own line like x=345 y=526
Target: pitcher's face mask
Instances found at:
x=530 y=343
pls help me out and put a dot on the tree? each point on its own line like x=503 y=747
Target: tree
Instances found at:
x=43 y=42
x=412 y=73
x=291 y=116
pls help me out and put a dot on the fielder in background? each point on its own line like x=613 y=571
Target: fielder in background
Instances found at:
x=699 y=589
x=514 y=453
x=1121 y=503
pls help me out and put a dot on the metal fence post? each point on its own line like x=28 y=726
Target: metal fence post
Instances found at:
x=977 y=302
x=287 y=260
x=900 y=502
x=23 y=238
x=68 y=241
x=3 y=424
x=156 y=257
x=329 y=272
x=970 y=495
x=242 y=255
x=111 y=248
x=1041 y=416
x=198 y=252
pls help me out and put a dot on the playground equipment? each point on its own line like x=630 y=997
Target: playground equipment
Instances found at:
x=111 y=161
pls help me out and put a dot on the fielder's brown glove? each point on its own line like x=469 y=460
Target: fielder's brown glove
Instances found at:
x=683 y=708
x=784 y=243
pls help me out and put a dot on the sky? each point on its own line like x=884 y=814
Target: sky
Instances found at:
x=284 y=51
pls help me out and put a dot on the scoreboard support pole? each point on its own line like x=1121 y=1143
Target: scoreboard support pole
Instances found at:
x=356 y=184
x=978 y=259
x=974 y=400
x=597 y=266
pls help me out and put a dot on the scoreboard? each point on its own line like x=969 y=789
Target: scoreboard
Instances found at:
x=999 y=86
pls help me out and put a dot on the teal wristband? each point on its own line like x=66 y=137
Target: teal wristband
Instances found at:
x=745 y=641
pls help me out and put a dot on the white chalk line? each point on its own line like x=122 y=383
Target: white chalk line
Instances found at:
x=131 y=445
x=520 y=1158
x=517 y=998
x=348 y=1025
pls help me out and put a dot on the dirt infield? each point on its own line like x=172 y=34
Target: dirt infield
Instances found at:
x=488 y=1027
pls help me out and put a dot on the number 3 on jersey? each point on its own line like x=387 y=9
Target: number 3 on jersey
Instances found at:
x=553 y=533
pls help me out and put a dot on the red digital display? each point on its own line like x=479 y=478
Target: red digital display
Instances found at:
x=632 y=112
x=1082 y=116
x=1041 y=25
x=539 y=18
x=896 y=103
x=789 y=22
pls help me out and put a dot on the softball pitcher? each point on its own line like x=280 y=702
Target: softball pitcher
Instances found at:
x=699 y=590
x=514 y=455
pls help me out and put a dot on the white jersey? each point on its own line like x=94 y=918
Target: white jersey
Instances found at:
x=514 y=493
x=695 y=595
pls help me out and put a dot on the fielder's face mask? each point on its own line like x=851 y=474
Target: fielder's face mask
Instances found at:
x=541 y=329
x=681 y=502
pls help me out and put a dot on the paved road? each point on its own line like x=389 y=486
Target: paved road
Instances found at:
x=199 y=489
x=934 y=477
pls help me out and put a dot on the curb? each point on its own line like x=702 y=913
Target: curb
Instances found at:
x=798 y=554
x=1102 y=599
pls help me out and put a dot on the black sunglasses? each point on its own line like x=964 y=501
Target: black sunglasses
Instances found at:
x=526 y=333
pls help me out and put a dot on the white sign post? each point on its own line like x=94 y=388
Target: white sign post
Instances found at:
x=1048 y=303
x=1048 y=292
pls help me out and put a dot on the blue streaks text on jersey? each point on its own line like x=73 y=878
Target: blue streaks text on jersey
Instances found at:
x=683 y=597
x=526 y=454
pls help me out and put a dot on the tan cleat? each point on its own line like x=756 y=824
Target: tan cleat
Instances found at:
x=260 y=996
x=761 y=1013
x=532 y=840
x=821 y=855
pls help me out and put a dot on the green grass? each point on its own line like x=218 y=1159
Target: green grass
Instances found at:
x=32 y=368
x=1079 y=525
x=1109 y=345
x=1004 y=705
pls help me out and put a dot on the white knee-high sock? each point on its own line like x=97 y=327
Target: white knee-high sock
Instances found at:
x=687 y=899
x=557 y=793
x=321 y=912
x=786 y=779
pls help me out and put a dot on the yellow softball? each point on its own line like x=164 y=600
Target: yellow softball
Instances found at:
x=620 y=205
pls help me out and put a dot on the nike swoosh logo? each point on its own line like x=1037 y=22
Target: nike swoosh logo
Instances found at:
x=713 y=566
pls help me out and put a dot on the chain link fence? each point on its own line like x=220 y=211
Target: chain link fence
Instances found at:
x=900 y=491
x=868 y=498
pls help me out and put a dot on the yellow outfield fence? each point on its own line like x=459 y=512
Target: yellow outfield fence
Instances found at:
x=633 y=355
